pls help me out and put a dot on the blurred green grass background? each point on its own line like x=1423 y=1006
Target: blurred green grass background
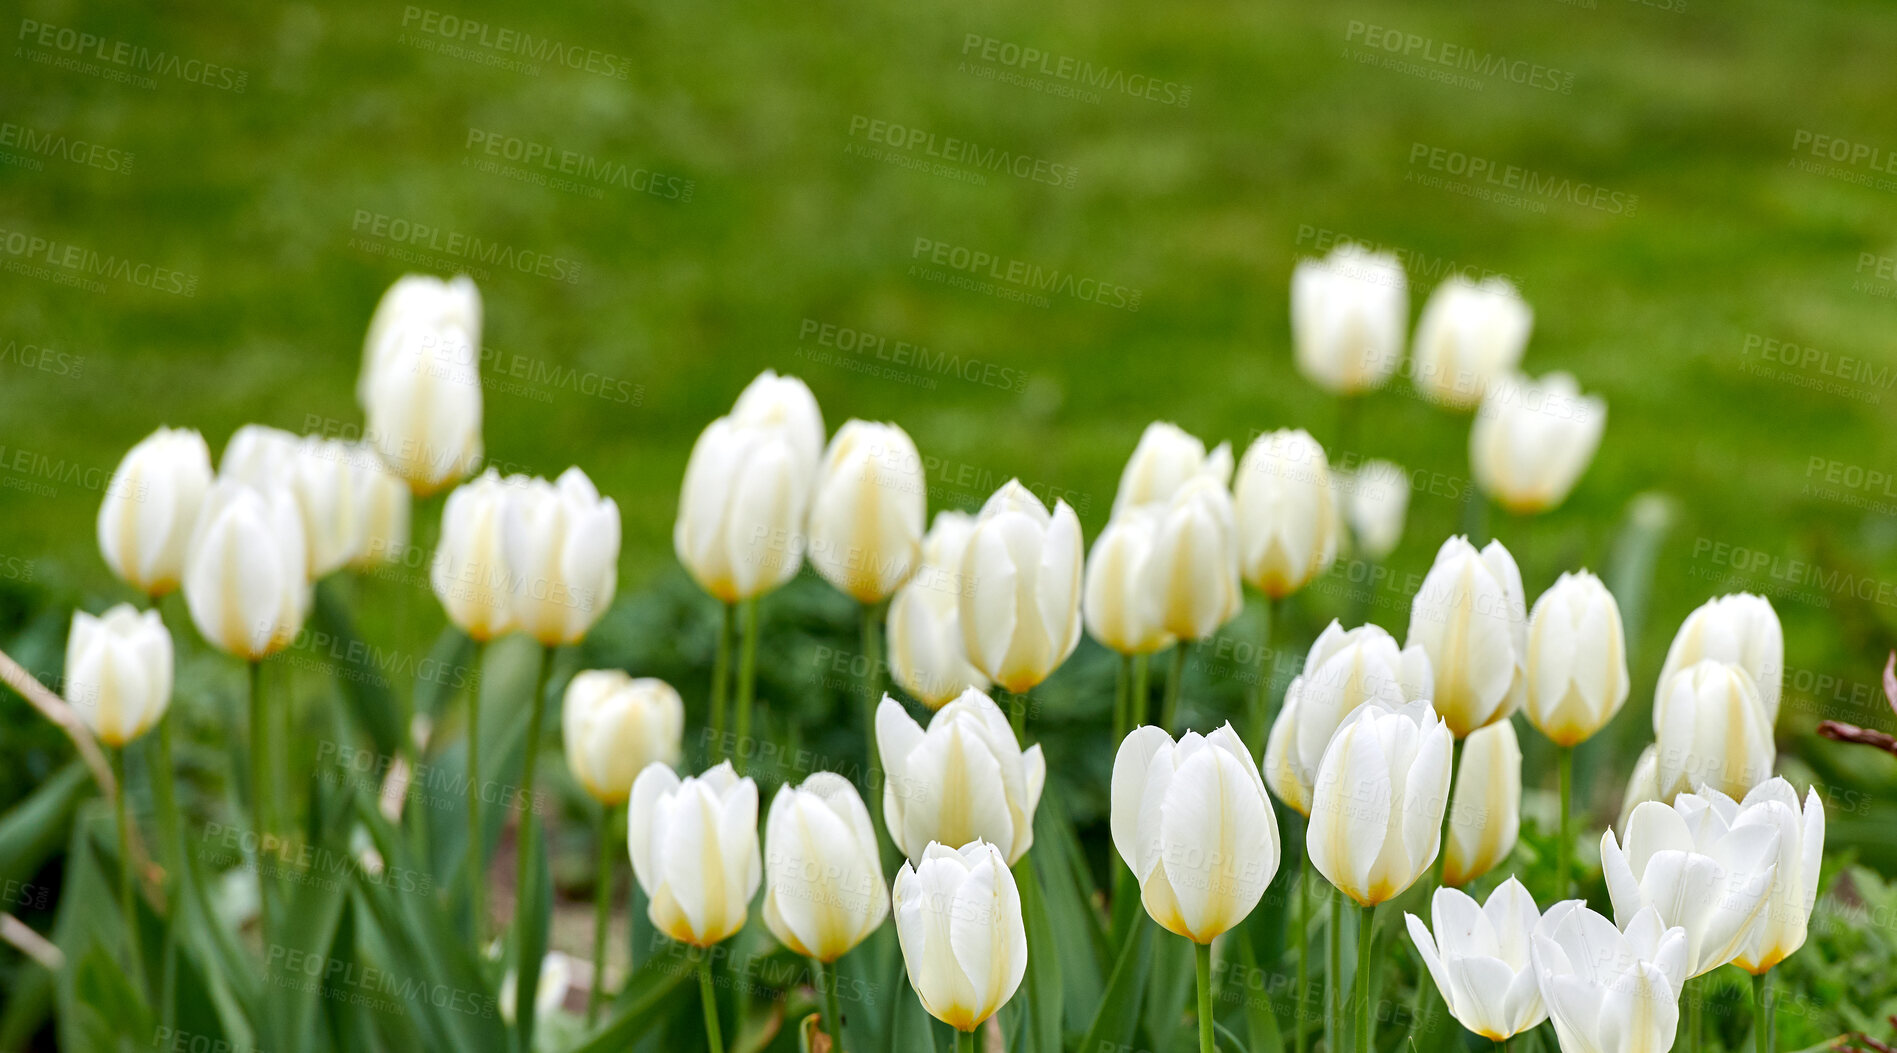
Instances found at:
x=354 y=108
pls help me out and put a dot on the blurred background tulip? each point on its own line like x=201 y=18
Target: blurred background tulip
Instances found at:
x=1532 y=439
x=383 y=507
x=562 y=542
x=1712 y=732
x=118 y=671
x=1470 y=334
x=1741 y=629
x=926 y=655
x=1375 y=500
x=470 y=573
x=964 y=779
x=420 y=386
x=1478 y=956
x=614 y=726
x=322 y=476
x=1349 y=312
x=150 y=507
x=1485 y=812
x=958 y=918
x=1165 y=458
x=1345 y=670
x=418 y=306
x=785 y=404
x=244 y=579
x=1287 y=517
x=259 y=456
x=1471 y=618
x=866 y=519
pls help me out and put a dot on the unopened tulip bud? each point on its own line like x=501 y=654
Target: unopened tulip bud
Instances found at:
x=740 y=526
x=1348 y=314
x=1021 y=588
x=925 y=631
x=958 y=919
x=1343 y=671
x=118 y=671
x=964 y=779
x=694 y=849
x=150 y=507
x=824 y=890
x=1469 y=335
x=1713 y=732
x=1166 y=457
x=1741 y=629
x=614 y=726
x=784 y=403
x=421 y=381
x=1375 y=499
x=1485 y=815
x=471 y=575
x=1577 y=660
x=1377 y=810
x=1471 y=617
x=1287 y=514
x=382 y=503
x=865 y=529
x=244 y=579
x=562 y=541
x=1532 y=439
x=1193 y=572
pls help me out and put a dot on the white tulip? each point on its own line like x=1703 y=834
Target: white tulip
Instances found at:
x=260 y=456
x=784 y=404
x=420 y=385
x=824 y=890
x=1192 y=821
x=614 y=726
x=1377 y=808
x=1121 y=610
x=1021 y=588
x=740 y=526
x=1485 y=815
x=562 y=541
x=1782 y=925
x=1193 y=570
x=1165 y=458
x=1468 y=336
x=1343 y=671
x=1532 y=439
x=964 y=779
x=1741 y=629
x=322 y=475
x=420 y=302
x=958 y=919
x=925 y=629
x=865 y=532
x=1710 y=877
x=382 y=503
x=1478 y=955
x=1713 y=732
x=118 y=671
x=1471 y=617
x=245 y=577
x=694 y=849
x=1642 y=786
x=1375 y=499
x=1576 y=660
x=1287 y=514
x=150 y=506
x=1609 y=991
x=1348 y=314
x=470 y=574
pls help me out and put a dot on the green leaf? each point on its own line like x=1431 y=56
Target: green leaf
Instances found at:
x=1117 y=1017
x=35 y=828
x=1042 y=987
x=304 y=935
x=646 y=997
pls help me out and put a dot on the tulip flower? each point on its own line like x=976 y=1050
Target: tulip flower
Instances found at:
x=382 y=505
x=421 y=391
x=1376 y=819
x=1609 y=991
x=425 y=304
x=925 y=630
x=1643 y=785
x=1121 y=611
x=1193 y=569
x=958 y=919
x=741 y=513
x=150 y=506
x=1471 y=617
x=1469 y=335
x=1710 y=877
x=1287 y=516
x=1741 y=629
x=1532 y=439
x=260 y=456
x=1021 y=589
x=562 y=542
x=866 y=517
x=1343 y=671
x=1478 y=956
x=784 y=404
x=1163 y=461
x=1348 y=314
x=614 y=726
x=1192 y=821
x=1374 y=500
x=1576 y=660
x=470 y=574
x=1713 y=732
x=1485 y=815
x=118 y=672
x=244 y=577
x=964 y=779
x=322 y=475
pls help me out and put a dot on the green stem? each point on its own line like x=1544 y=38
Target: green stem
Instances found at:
x=260 y=797
x=964 y=1042
x=171 y=831
x=1564 y=850
x=871 y=618
x=721 y=679
x=527 y=966
x=1693 y=993
x=1366 y=925
x=707 y=995
x=1267 y=671
x=1122 y=698
x=1017 y=712
x=1449 y=809
x=1304 y=954
x=1169 y=707
x=135 y=958
x=832 y=1010
x=602 y=908
x=1762 y=1028
x=747 y=681
x=1202 y=958
x=477 y=832
x=1142 y=691
x=1334 y=975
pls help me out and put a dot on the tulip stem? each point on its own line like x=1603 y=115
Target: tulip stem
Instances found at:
x=1169 y=708
x=602 y=908
x=1142 y=692
x=871 y=617
x=964 y=1042
x=707 y=994
x=165 y=801
x=135 y=958
x=1694 y=993
x=527 y=966
x=477 y=857
x=1334 y=975
x=1122 y=698
x=1564 y=849
x=1267 y=672
x=832 y=1010
x=1762 y=1028
x=1449 y=810
x=721 y=679
x=260 y=794
x=1304 y=954
x=1017 y=712
x=1202 y=958
x=1366 y=925
x=747 y=682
